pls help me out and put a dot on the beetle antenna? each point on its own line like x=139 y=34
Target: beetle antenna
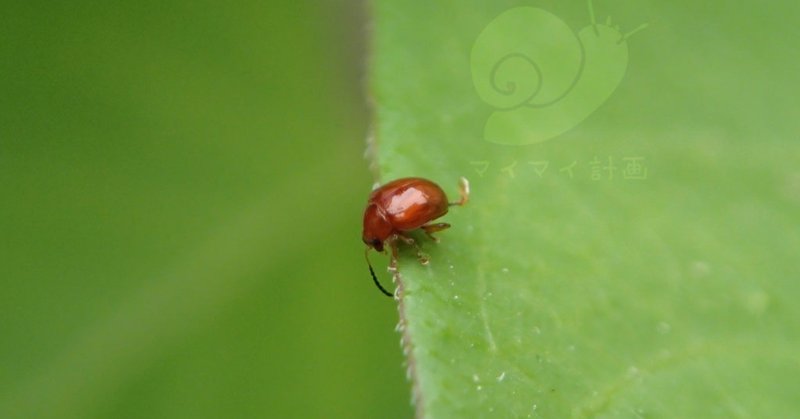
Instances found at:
x=375 y=278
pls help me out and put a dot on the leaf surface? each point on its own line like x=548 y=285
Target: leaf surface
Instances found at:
x=641 y=262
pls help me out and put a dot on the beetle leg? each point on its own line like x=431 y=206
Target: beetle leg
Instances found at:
x=463 y=190
x=423 y=258
x=429 y=229
x=392 y=245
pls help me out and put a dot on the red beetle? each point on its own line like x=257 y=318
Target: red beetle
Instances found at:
x=400 y=206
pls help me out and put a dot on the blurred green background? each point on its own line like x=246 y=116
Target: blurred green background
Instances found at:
x=182 y=186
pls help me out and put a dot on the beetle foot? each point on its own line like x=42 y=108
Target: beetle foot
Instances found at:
x=423 y=259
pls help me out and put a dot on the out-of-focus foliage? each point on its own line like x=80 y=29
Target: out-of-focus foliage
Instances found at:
x=181 y=185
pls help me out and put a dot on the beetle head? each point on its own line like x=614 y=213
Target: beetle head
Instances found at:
x=376 y=228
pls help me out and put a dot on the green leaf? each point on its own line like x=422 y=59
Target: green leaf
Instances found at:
x=629 y=249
